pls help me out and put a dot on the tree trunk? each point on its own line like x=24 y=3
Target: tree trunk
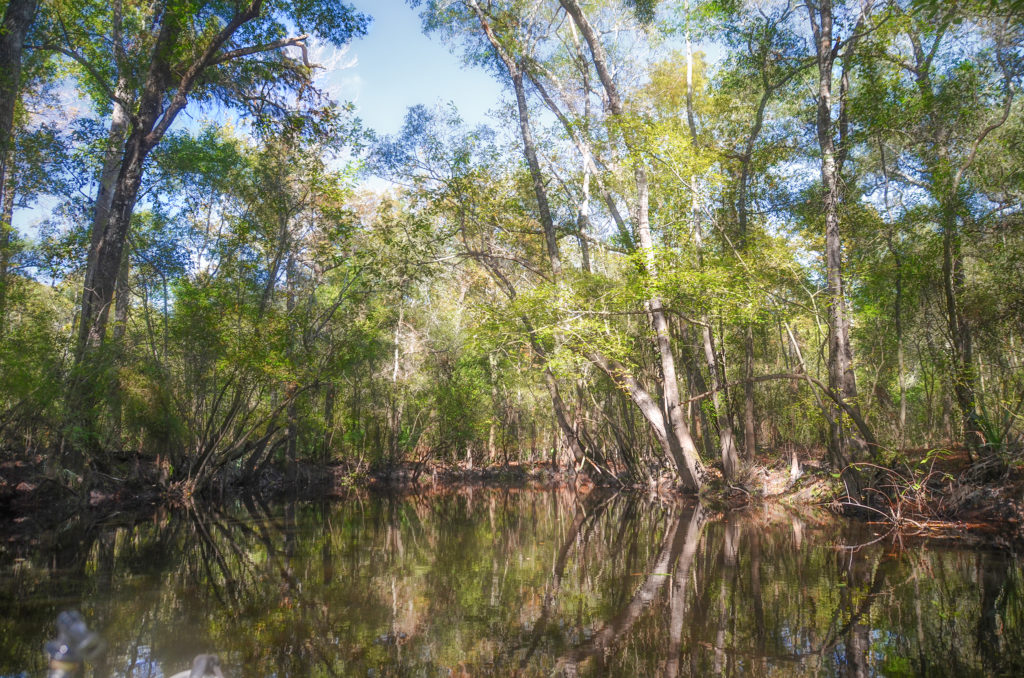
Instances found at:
x=18 y=18
x=561 y=412
x=6 y=231
x=122 y=302
x=330 y=395
x=727 y=444
x=515 y=72
x=683 y=451
x=749 y=423
x=730 y=460
x=897 y=258
x=706 y=431
x=292 y=435
x=162 y=96
x=550 y=239
x=492 y=429
x=959 y=328
x=652 y=413
x=844 y=449
x=583 y=219
x=105 y=262
x=109 y=173
x=395 y=410
x=530 y=151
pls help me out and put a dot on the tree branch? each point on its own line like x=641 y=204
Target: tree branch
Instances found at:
x=858 y=420
x=84 y=63
x=299 y=41
x=180 y=98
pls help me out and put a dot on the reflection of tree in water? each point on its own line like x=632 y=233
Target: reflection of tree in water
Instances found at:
x=679 y=546
x=504 y=582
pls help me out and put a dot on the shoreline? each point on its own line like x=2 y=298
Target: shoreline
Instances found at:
x=989 y=511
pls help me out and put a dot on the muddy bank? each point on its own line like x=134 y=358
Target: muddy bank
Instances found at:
x=944 y=496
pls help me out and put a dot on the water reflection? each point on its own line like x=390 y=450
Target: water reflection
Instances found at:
x=499 y=583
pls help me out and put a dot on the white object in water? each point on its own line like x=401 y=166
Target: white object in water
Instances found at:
x=203 y=665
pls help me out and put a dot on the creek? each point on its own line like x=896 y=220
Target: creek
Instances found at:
x=502 y=582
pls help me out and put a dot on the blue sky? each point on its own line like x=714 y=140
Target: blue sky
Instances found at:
x=396 y=67
x=393 y=67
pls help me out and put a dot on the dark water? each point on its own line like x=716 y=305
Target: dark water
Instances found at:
x=500 y=583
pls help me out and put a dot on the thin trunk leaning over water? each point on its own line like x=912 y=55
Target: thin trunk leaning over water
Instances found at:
x=571 y=434
x=586 y=151
x=515 y=72
x=683 y=450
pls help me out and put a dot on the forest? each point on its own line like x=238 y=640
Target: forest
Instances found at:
x=695 y=240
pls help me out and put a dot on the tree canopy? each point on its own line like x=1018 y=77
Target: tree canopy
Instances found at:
x=693 y=236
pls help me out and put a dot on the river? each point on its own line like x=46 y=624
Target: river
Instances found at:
x=513 y=582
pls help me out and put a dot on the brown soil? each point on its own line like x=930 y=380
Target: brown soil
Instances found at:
x=945 y=495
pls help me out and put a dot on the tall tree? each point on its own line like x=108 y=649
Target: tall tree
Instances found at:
x=950 y=105
x=515 y=74
x=166 y=56
x=180 y=58
x=681 y=445
x=764 y=61
x=829 y=47
x=519 y=62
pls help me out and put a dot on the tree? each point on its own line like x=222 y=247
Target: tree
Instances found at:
x=677 y=432
x=17 y=19
x=950 y=87
x=517 y=59
x=829 y=47
x=182 y=59
x=162 y=58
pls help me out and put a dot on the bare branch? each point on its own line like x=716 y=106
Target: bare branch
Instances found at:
x=299 y=41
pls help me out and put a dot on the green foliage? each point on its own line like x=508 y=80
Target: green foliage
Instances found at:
x=272 y=310
x=32 y=357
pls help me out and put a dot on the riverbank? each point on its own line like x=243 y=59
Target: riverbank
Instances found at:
x=943 y=495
